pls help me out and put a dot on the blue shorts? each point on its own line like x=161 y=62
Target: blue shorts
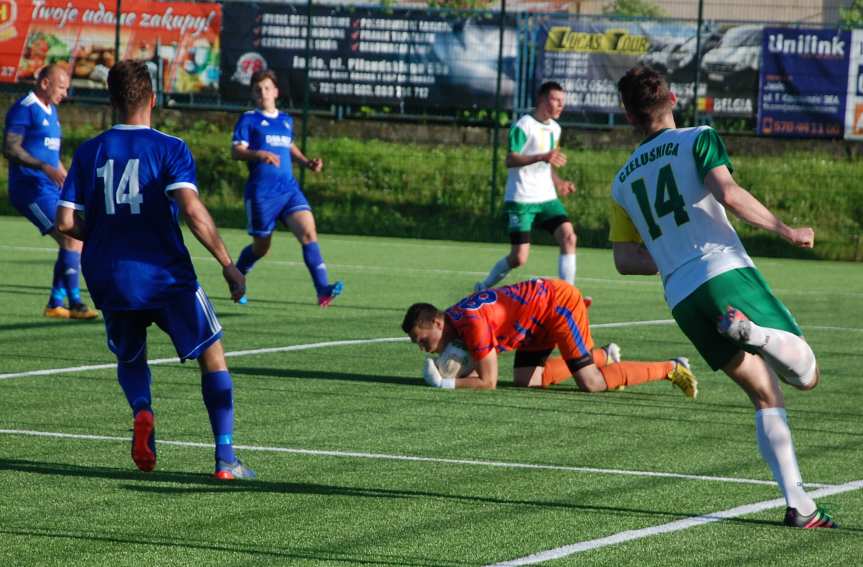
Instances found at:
x=189 y=320
x=36 y=200
x=262 y=213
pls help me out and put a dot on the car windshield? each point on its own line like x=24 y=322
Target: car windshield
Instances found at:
x=742 y=36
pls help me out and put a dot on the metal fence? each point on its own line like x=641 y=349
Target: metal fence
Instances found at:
x=403 y=61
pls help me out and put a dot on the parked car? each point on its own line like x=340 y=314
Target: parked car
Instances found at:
x=733 y=64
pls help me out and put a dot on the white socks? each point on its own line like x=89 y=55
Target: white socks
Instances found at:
x=497 y=273
x=777 y=448
x=787 y=354
x=566 y=268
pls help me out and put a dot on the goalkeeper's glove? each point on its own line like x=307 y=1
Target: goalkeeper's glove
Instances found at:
x=432 y=376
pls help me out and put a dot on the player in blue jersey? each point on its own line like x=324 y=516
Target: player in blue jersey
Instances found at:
x=31 y=143
x=264 y=138
x=122 y=198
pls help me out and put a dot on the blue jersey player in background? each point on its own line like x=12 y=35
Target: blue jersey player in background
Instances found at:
x=264 y=138
x=122 y=198
x=31 y=143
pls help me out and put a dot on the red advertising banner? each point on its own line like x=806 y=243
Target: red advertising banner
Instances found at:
x=80 y=34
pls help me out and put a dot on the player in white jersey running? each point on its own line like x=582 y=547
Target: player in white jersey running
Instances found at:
x=669 y=216
x=532 y=188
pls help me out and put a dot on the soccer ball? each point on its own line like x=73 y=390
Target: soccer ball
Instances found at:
x=455 y=361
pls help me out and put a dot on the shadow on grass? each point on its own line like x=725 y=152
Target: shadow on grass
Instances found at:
x=258 y=551
x=305 y=374
x=195 y=483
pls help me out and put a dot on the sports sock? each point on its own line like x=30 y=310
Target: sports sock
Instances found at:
x=497 y=273
x=787 y=354
x=777 y=448
x=632 y=373
x=247 y=260
x=70 y=262
x=216 y=388
x=58 y=292
x=566 y=268
x=316 y=266
x=134 y=378
x=557 y=371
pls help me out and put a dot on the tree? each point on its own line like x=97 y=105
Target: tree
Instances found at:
x=639 y=8
x=852 y=17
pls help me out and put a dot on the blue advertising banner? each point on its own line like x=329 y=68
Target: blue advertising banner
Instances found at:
x=803 y=83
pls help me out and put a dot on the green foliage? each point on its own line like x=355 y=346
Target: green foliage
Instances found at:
x=634 y=8
x=382 y=188
x=852 y=16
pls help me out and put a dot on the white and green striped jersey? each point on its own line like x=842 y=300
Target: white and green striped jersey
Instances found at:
x=661 y=192
x=532 y=183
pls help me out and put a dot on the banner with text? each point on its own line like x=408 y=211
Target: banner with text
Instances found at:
x=588 y=57
x=854 y=102
x=369 y=56
x=80 y=35
x=804 y=83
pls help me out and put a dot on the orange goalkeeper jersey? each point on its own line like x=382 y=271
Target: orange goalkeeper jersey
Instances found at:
x=526 y=315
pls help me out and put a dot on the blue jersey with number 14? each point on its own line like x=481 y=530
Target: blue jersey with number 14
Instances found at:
x=134 y=256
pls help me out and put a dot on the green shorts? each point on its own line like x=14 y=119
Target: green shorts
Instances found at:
x=745 y=289
x=520 y=217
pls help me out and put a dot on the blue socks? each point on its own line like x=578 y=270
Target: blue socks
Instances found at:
x=247 y=260
x=67 y=270
x=315 y=264
x=216 y=388
x=134 y=378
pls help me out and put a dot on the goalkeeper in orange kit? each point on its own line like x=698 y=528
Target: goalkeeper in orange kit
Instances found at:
x=532 y=318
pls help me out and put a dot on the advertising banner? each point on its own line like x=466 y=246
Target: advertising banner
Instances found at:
x=854 y=102
x=588 y=57
x=368 y=56
x=804 y=83
x=80 y=35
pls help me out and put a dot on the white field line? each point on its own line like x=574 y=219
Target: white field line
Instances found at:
x=675 y=526
x=654 y=283
x=410 y=458
x=290 y=348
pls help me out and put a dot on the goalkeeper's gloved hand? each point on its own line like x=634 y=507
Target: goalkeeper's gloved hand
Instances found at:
x=432 y=376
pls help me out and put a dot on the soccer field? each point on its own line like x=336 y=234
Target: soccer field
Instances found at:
x=360 y=463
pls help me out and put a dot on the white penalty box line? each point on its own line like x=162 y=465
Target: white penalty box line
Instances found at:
x=410 y=458
x=676 y=526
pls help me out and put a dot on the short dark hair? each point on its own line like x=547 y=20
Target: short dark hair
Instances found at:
x=643 y=92
x=130 y=85
x=46 y=71
x=547 y=87
x=419 y=314
x=262 y=75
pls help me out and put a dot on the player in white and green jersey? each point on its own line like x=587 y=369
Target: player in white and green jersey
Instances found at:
x=668 y=215
x=532 y=188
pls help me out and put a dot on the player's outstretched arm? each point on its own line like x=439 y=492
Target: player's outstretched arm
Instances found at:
x=750 y=210
x=633 y=259
x=69 y=222
x=202 y=226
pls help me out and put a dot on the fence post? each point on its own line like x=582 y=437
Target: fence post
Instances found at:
x=697 y=62
x=305 y=131
x=497 y=112
x=114 y=114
